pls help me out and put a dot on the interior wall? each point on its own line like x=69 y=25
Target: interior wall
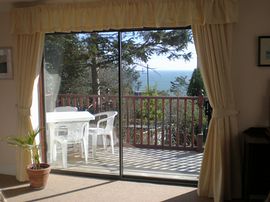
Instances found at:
x=252 y=83
x=8 y=112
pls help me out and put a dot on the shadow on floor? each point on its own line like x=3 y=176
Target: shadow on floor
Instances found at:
x=188 y=197
x=10 y=181
x=193 y=196
x=10 y=186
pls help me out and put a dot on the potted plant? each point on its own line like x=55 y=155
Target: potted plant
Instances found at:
x=38 y=172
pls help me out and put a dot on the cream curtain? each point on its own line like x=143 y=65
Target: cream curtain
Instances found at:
x=28 y=53
x=210 y=20
x=122 y=14
x=220 y=175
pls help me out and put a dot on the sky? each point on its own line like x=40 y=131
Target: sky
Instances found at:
x=161 y=63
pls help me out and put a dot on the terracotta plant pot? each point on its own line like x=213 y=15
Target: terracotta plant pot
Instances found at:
x=38 y=177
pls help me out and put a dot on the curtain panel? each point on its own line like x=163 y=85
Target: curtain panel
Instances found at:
x=220 y=175
x=122 y=14
x=28 y=54
x=33 y=22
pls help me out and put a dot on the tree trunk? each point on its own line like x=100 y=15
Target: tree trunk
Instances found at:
x=95 y=79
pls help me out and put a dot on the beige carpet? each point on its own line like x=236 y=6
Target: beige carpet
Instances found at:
x=69 y=188
x=2 y=199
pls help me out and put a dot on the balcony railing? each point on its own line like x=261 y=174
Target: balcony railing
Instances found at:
x=159 y=122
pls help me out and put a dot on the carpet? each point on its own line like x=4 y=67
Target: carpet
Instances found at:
x=2 y=199
x=63 y=188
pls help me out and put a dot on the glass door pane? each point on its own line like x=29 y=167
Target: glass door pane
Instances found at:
x=81 y=101
x=161 y=125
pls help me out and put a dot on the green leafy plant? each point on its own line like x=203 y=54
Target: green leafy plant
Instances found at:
x=150 y=111
x=28 y=142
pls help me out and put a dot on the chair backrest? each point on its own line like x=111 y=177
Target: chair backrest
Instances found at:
x=109 y=115
x=72 y=131
x=65 y=109
x=76 y=131
x=110 y=121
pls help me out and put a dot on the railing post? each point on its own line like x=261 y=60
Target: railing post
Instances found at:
x=162 y=134
x=185 y=123
x=170 y=123
x=127 y=114
x=177 y=122
x=81 y=104
x=63 y=101
x=200 y=132
x=134 y=121
x=148 y=120
x=141 y=132
x=192 y=123
x=156 y=140
x=200 y=142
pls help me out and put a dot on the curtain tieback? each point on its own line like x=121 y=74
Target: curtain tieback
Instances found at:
x=25 y=111
x=221 y=113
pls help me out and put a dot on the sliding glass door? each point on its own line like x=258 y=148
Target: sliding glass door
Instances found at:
x=124 y=103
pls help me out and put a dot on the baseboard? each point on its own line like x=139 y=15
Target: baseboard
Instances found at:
x=8 y=170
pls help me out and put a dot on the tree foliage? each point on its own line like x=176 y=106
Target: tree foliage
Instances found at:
x=179 y=85
x=172 y=43
x=151 y=109
x=196 y=85
x=87 y=63
x=63 y=57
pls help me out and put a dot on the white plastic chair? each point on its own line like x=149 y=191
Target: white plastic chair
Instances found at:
x=77 y=133
x=104 y=127
x=62 y=128
x=70 y=133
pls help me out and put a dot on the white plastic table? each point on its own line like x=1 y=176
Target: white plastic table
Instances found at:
x=53 y=118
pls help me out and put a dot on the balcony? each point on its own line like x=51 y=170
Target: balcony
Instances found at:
x=162 y=136
x=172 y=164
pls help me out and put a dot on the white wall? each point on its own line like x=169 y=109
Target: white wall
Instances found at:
x=8 y=115
x=252 y=83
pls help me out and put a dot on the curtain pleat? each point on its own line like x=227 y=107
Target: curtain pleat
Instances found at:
x=28 y=54
x=220 y=175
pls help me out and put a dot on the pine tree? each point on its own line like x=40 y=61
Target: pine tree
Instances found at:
x=88 y=62
x=196 y=86
x=179 y=85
